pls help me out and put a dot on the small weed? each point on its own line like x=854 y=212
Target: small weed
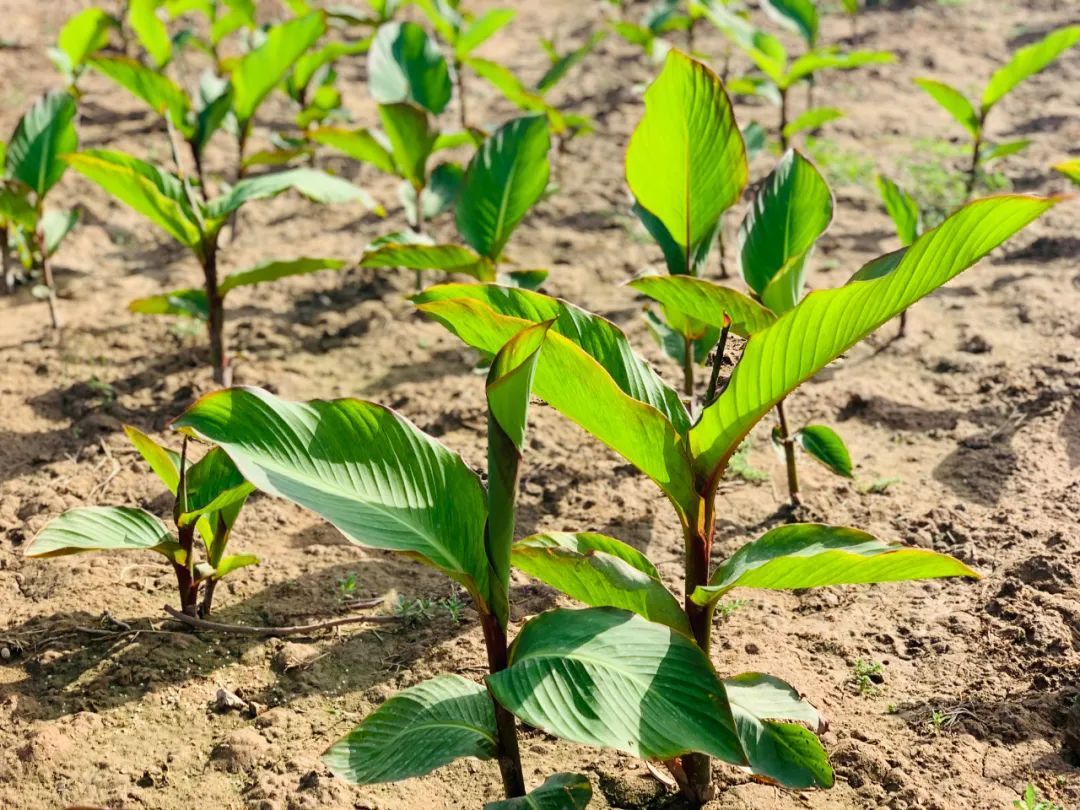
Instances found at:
x=726 y=608
x=879 y=486
x=104 y=390
x=454 y=606
x=739 y=466
x=1031 y=800
x=840 y=167
x=414 y=612
x=867 y=674
x=347 y=586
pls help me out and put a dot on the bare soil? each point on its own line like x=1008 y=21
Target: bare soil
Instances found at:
x=976 y=413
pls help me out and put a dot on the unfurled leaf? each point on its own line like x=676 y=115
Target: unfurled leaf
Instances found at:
x=706 y=302
x=233 y=562
x=102 y=528
x=902 y=208
x=412 y=139
x=798 y=16
x=164 y=462
x=560 y=791
x=1028 y=61
x=789 y=213
x=989 y=153
x=824 y=444
x=405 y=65
x=481 y=29
x=416 y=731
x=159 y=92
x=377 y=477
x=314 y=184
x=43 y=135
x=82 y=35
x=505 y=178
x=686 y=163
x=273 y=270
x=142 y=16
x=812 y=555
x=359 y=144
x=610 y=678
x=448 y=258
x=954 y=103
x=212 y=484
x=189 y=303
x=812 y=119
x=832 y=59
x=827 y=323
x=600 y=572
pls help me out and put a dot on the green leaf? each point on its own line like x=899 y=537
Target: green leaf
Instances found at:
x=832 y=59
x=826 y=323
x=44 y=134
x=149 y=191
x=233 y=562
x=142 y=16
x=102 y=528
x=564 y=64
x=798 y=16
x=165 y=463
x=314 y=184
x=273 y=270
x=381 y=480
x=440 y=193
x=188 y=303
x=812 y=119
x=954 y=103
x=686 y=163
x=159 y=92
x=990 y=153
x=448 y=258
x=82 y=35
x=505 y=178
x=769 y=698
x=813 y=555
x=16 y=208
x=706 y=302
x=359 y=144
x=211 y=484
x=560 y=791
x=55 y=225
x=903 y=209
x=412 y=140
x=416 y=731
x=508 y=84
x=311 y=63
x=825 y=445
x=481 y=29
x=404 y=64
x=216 y=104
x=789 y=213
x=260 y=70
x=609 y=678
x=1028 y=61
x=600 y=572
x=1069 y=168
x=674 y=254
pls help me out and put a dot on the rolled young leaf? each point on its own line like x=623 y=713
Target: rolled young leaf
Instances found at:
x=377 y=477
x=812 y=555
x=102 y=528
x=707 y=302
x=404 y=64
x=686 y=163
x=560 y=791
x=1028 y=61
x=44 y=133
x=416 y=731
x=954 y=103
x=823 y=444
x=903 y=209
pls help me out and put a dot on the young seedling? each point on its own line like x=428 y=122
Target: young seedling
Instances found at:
x=209 y=496
x=663 y=18
x=1024 y=64
x=32 y=164
x=588 y=372
x=169 y=201
x=866 y=676
x=906 y=216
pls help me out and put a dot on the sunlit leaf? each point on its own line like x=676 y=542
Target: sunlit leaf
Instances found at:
x=404 y=64
x=1028 y=61
x=823 y=444
x=43 y=135
x=560 y=791
x=954 y=103
x=706 y=301
x=102 y=528
x=273 y=270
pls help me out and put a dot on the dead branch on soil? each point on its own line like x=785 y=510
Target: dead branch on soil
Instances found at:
x=274 y=632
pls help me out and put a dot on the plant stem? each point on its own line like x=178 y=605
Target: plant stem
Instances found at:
x=5 y=261
x=688 y=367
x=241 y=149
x=215 y=324
x=459 y=74
x=47 y=277
x=903 y=325
x=783 y=120
x=418 y=228
x=789 y=455
x=973 y=167
x=690 y=36
x=718 y=362
x=508 y=755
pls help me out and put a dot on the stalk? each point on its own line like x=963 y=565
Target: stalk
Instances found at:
x=418 y=228
x=47 y=276
x=215 y=325
x=513 y=777
x=783 y=119
x=241 y=148
x=718 y=362
x=688 y=366
x=722 y=248
x=973 y=167
x=5 y=260
x=185 y=572
x=459 y=74
x=789 y=455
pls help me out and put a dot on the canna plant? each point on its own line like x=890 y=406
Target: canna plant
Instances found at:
x=209 y=496
x=1025 y=63
x=588 y=372
x=904 y=211
x=169 y=201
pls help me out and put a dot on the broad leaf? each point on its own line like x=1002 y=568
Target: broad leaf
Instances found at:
x=560 y=791
x=359 y=144
x=448 y=258
x=82 y=35
x=505 y=178
x=827 y=323
x=165 y=463
x=314 y=184
x=404 y=64
x=412 y=140
x=102 y=528
x=260 y=70
x=832 y=59
x=44 y=134
x=610 y=678
x=798 y=16
x=373 y=474
x=686 y=163
x=481 y=29
x=903 y=209
x=954 y=103
x=706 y=302
x=1028 y=61
x=273 y=270
x=823 y=444
x=600 y=572
x=769 y=698
x=189 y=303
x=212 y=484
x=789 y=213
x=989 y=153
x=55 y=226
x=812 y=555
x=159 y=92
x=416 y=731
x=151 y=30
x=812 y=119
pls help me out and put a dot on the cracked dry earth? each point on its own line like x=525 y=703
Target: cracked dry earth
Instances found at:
x=973 y=419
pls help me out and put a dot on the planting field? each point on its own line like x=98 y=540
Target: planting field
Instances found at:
x=960 y=436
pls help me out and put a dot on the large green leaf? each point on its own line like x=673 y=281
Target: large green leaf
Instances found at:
x=377 y=477
x=359 y=144
x=44 y=134
x=560 y=791
x=827 y=323
x=902 y=208
x=448 y=258
x=610 y=678
x=812 y=555
x=505 y=178
x=160 y=92
x=102 y=528
x=273 y=270
x=706 y=302
x=798 y=16
x=151 y=30
x=686 y=162
x=416 y=731
x=1028 y=61
x=404 y=64
x=260 y=70
x=601 y=572
x=314 y=184
x=789 y=213
x=155 y=194
x=954 y=103
x=412 y=139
